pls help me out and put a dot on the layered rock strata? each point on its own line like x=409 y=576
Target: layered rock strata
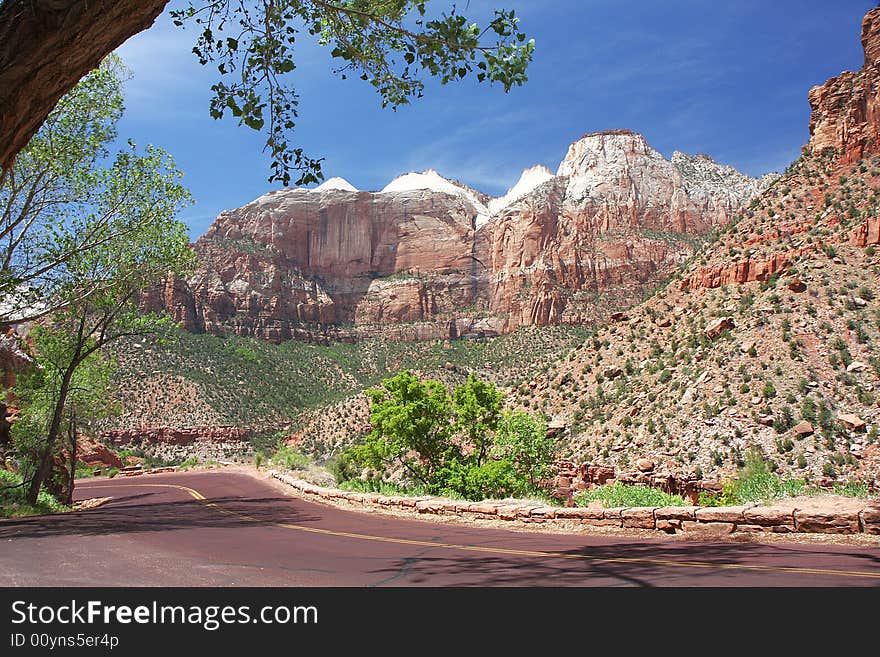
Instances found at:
x=430 y=258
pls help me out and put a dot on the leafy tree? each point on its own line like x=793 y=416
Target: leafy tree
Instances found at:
x=411 y=427
x=392 y=44
x=477 y=407
x=66 y=196
x=38 y=390
x=100 y=233
x=135 y=255
x=522 y=439
x=460 y=446
x=492 y=479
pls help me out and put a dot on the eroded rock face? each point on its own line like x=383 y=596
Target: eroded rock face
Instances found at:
x=844 y=129
x=750 y=269
x=846 y=109
x=614 y=222
x=176 y=436
x=445 y=261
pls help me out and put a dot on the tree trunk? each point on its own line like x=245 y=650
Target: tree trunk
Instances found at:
x=45 y=465
x=47 y=46
x=71 y=445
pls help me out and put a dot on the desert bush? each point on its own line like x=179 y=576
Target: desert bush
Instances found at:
x=12 y=498
x=618 y=494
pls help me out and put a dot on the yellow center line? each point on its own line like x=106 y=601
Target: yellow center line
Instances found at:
x=498 y=550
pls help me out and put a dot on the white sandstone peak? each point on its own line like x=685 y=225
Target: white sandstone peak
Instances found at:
x=336 y=184
x=530 y=180
x=433 y=181
x=428 y=179
x=602 y=149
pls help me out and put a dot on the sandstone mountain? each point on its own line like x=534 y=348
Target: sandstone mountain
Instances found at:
x=769 y=338
x=428 y=257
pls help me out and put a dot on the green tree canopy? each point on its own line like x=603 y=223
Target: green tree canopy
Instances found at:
x=87 y=234
x=462 y=444
x=477 y=407
x=411 y=424
x=38 y=390
x=68 y=205
x=392 y=44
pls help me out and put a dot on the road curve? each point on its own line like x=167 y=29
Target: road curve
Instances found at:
x=229 y=529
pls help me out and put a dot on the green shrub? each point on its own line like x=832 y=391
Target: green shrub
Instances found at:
x=342 y=467
x=13 y=494
x=380 y=486
x=808 y=410
x=756 y=482
x=289 y=458
x=709 y=499
x=188 y=463
x=83 y=471
x=852 y=489
x=619 y=494
x=784 y=420
x=490 y=480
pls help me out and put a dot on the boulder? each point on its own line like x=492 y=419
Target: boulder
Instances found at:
x=645 y=465
x=856 y=366
x=688 y=396
x=802 y=429
x=851 y=421
x=718 y=326
x=612 y=372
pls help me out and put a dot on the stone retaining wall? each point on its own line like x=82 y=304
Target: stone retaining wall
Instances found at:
x=671 y=520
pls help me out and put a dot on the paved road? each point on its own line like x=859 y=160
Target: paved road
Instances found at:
x=229 y=529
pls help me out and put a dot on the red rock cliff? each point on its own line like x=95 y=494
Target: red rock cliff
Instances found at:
x=430 y=258
x=846 y=109
x=844 y=130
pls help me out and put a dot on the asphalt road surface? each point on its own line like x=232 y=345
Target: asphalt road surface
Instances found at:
x=229 y=529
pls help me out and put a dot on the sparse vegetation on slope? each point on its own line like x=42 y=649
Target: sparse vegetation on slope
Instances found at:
x=717 y=363
x=197 y=380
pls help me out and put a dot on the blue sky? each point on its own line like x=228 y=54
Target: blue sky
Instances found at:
x=699 y=76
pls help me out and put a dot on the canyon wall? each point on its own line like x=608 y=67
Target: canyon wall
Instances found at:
x=429 y=258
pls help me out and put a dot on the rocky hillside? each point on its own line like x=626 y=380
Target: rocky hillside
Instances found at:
x=769 y=337
x=429 y=258
x=208 y=382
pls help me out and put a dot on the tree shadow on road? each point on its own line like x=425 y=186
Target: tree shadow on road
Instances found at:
x=138 y=513
x=641 y=564
x=466 y=556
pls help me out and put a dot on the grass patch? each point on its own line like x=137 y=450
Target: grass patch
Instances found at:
x=12 y=499
x=756 y=483
x=619 y=494
x=289 y=458
x=381 y=487
x=189 y=463
x=853 y=490
x=83 y=470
